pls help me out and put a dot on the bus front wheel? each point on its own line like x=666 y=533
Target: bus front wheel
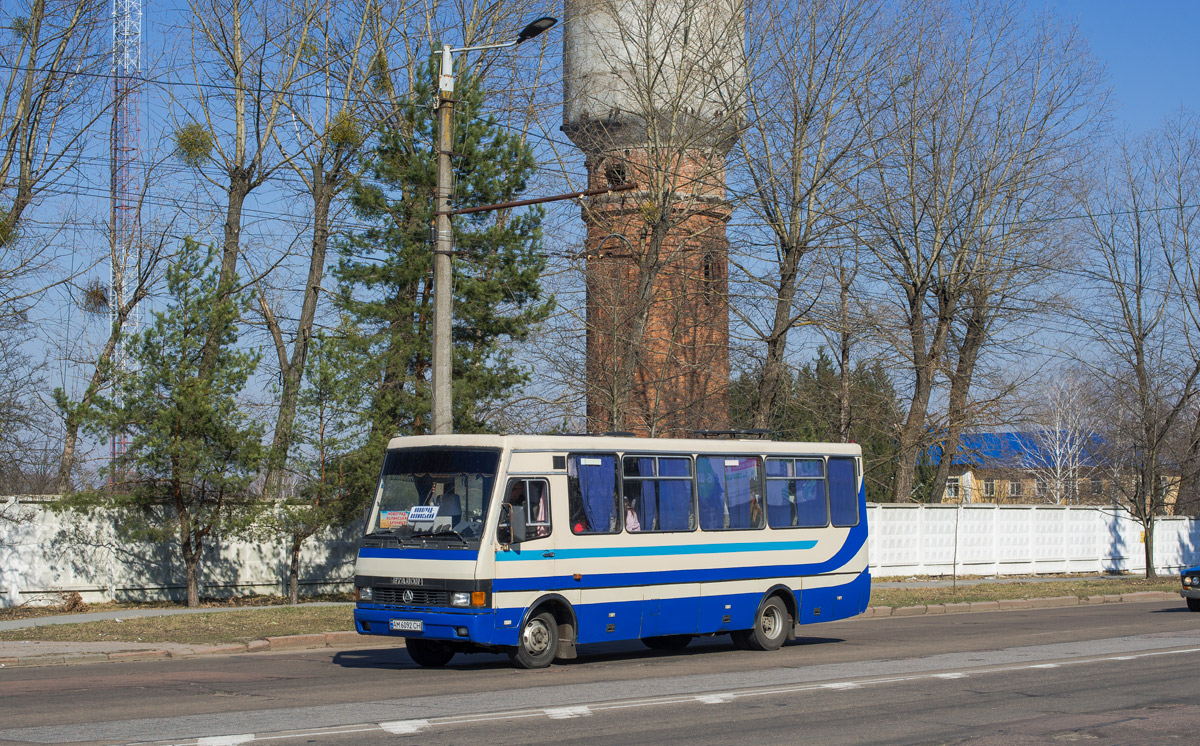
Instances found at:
x=538 y=643
x=770 y=628
x=428 y=653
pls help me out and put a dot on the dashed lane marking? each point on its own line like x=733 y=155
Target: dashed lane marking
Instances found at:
x=566 y=713
x=404 y=727
x=415 y=726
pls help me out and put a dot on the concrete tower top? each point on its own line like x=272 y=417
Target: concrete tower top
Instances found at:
x=658 y=73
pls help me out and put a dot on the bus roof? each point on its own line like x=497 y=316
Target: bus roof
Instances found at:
x=625 y=444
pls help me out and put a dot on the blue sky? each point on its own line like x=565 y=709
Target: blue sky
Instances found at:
x=1151 y=49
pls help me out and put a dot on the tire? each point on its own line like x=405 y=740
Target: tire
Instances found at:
x=538 y=643
x=1194 y=604
x=428 y=653
x=667 y=642
x=741 y=639
x=770 y=626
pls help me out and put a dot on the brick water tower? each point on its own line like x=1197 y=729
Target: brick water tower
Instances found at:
x=652 y=97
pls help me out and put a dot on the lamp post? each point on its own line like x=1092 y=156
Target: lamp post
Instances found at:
x=443 y=418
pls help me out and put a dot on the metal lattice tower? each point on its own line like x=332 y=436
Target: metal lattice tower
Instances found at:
x=127 y=175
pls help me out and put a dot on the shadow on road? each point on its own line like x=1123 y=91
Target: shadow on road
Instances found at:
x=397 y=658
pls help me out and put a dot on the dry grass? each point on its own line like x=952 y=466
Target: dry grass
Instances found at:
x=1082 y=588
x=199 y=629
x=70 y=603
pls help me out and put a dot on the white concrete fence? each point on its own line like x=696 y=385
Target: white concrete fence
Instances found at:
x=43 y=553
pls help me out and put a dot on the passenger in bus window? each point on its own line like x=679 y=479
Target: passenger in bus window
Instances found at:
x=631 y=519
x=539 y=510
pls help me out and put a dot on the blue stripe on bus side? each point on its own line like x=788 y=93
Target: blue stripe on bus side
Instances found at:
x=460 y=555
x=854 y=542
x=517 y=555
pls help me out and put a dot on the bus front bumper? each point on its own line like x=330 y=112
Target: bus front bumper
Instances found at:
x=466 y=625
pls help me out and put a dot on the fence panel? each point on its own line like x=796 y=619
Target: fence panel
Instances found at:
x=43 y=552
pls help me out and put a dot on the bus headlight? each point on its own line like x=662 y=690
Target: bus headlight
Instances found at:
x=1190 y=580
x=366 y=594
x=460 y=599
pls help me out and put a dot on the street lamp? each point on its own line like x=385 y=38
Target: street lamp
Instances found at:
x=443 y=419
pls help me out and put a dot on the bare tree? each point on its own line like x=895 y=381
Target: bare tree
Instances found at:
x=1064 y=436
x=984 y=116
x=255 y=52
x=49 y=56
x=326 y=112
x=813 y=86
x=1142 y=215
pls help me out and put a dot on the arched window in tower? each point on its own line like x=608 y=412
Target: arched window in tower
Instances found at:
x=712 y=276
x=616 y=173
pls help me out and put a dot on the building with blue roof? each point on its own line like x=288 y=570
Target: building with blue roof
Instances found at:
x=1046 y=467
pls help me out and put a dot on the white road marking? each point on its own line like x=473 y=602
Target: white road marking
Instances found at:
x=403 y=727
x=714 y=699
x=566 y=713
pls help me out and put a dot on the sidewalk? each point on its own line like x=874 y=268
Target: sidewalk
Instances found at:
x=40 y=653
x=44 y=653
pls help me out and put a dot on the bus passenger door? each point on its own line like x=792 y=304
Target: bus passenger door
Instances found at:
x=527 y=568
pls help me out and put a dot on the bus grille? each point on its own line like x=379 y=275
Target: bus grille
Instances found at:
x=419 y=597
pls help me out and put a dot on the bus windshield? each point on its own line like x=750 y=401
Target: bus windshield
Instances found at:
x=435 y=494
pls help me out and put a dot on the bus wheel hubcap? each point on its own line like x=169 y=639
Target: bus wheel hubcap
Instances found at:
x=536 y=637
x=771 y=624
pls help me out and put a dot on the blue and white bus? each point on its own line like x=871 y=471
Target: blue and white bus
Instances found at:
x=532 y=545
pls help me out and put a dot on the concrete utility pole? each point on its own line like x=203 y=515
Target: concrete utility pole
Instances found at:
x=443 y=282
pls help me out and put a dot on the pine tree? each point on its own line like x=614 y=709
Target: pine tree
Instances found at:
x=328 y=435
x=192 y=453
x=807 y=409
x=385 y=272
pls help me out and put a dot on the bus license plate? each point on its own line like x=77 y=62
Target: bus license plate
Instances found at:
x=407 y=625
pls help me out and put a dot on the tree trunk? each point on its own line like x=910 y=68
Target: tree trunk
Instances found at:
x=844 y=403
x=773 y=364
x=292 y=371
x=925 y=362
x=239 y=188
x=71 y=426
x=960 y=387
x=294 y=570
x=193 y=579
x=1148 y=527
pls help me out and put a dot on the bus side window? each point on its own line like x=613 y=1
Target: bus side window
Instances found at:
x=796 y=493
x=730 y=491
x=592 y=493
x=534 y=496
x=843 y=497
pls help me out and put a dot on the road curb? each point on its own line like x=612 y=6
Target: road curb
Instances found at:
x=348 y=639
x=1016 y=604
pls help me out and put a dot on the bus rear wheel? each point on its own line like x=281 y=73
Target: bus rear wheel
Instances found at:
x=428 y=653
x=770 y=628
x=538 y=643
x=667 y=642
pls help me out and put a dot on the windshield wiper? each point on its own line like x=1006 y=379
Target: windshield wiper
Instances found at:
x=442 y=532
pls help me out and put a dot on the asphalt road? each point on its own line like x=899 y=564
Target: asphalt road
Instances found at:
x=1112 y=674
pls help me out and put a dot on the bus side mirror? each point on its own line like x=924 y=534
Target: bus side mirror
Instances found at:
x=511 y=529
